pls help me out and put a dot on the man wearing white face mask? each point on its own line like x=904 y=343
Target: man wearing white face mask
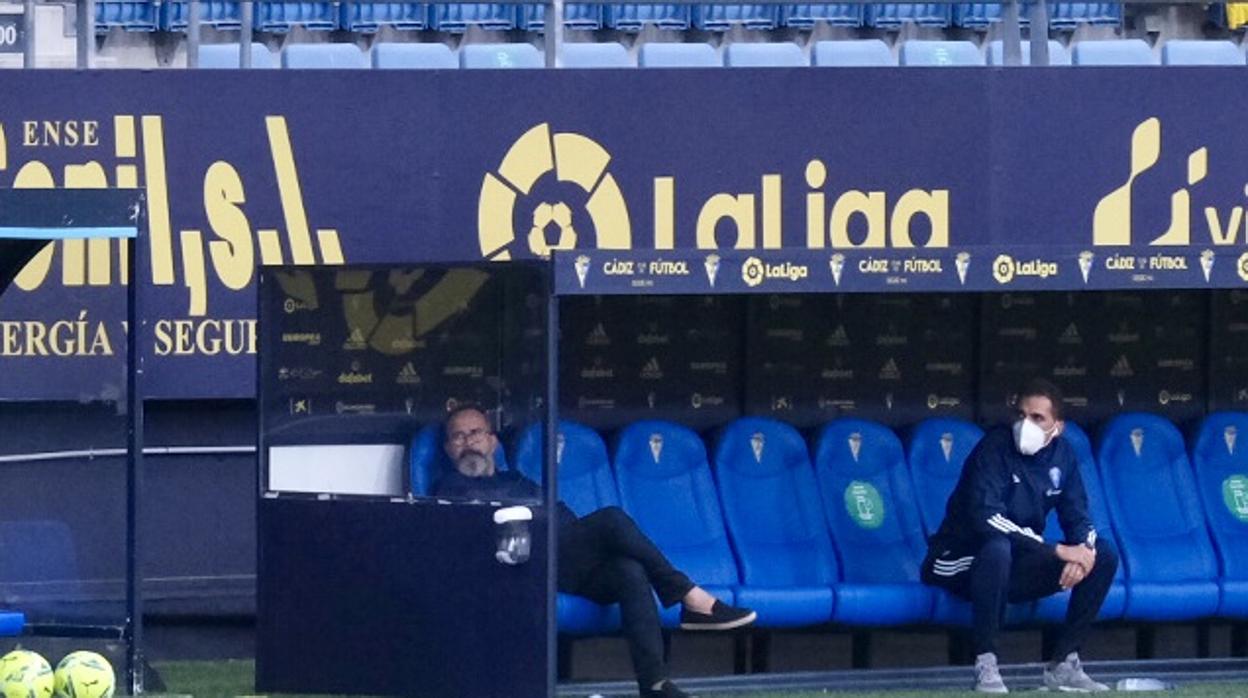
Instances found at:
x=990 y=548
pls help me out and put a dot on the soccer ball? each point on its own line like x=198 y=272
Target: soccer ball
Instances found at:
x=25 y=674
x=84 y=674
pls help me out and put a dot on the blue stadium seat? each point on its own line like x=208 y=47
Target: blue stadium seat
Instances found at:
x=226 y=56
x=1058 y=55
x=1052 y=609
x=457 y=18
x=632 y=18
x=1114 y=52
x=220 y=14
x=853 y=53
x=666 y=485
x=1220 y=458
x=12 y=623
x=776 y=521
x=596 y=55
x=872 y=513
x=939 y=53
x=1170 y=563
x=301 y=56
x=368 y=17
x=656 y=55
x=501 y=56
x=834 y=14
x=434 y=55
x=586 y=484
x=779 y=54
x=979 y=15
x=427 y=459
x=892 y=16
x=283 y=16
x=719 y=18
x=131 y=16
x=1195 y=52
x=578 y=16
x=1069 y=15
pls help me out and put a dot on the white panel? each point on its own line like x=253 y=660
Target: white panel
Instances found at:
x=339 y=469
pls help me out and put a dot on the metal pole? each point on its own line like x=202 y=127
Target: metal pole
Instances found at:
x=28 y=28
x=86 y=32
x=1013 y=35
x=1039 y=33
x=245 y=36
x=134 y=459
x=192 y=34
x=551 y=469
x=554 y=32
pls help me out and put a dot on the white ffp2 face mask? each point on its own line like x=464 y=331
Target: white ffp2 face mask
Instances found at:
x=1029 y=437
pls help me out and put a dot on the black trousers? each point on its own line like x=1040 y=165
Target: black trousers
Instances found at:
x=999 y=573
x=606 y=558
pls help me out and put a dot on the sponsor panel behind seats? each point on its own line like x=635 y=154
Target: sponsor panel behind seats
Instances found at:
x=666 y=486
x=586 y=484
x=1220 y=458
x=874 y=519
x=1151 y=495
x=1052 y=609
x=776 y=522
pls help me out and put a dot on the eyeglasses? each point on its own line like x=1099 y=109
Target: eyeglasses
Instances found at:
x=462 y=437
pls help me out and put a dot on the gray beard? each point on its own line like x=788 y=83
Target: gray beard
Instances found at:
x=473 y=464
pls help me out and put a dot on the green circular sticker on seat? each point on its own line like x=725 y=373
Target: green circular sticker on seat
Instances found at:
x=1235 y=494
x=864 y=505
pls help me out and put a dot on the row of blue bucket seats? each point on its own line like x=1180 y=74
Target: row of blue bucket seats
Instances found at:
x=835 y=531
x=852 y=53
x=139 y=15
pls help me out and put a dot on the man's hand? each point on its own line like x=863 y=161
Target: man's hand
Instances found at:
x=1078 y=554
x=1072 y=574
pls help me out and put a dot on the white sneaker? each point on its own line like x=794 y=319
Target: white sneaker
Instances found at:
x=1068 y=676
x=987 y=675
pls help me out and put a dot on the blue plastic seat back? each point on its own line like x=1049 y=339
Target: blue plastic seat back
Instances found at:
x=869 y=502
x=430 y=56
x=586 y=483
x=1113 y=52
x=131 y=16
x=1058 y=55
x=221 y=14
x=580 y=16
x=1196 y=52
x=719 y=18
x=458 y=17
x=939 y=53
x=853 y=53
x=37 y=551
x=780 y=54
x=835 y=14
x=1220 y=459
x=368 y=17
x=1069 y=15
x=893 y=15
x=596 y=55
x=227 y=56
x=979 y=15
x=632 y=18
x=771 y=505
x=1151 y=493
x=427 y=459
x=501 y=56
x=335 y=56
x=666 y=485
x=656 y=55
x=284 y=16
x=1097 y=507
x=936 y=450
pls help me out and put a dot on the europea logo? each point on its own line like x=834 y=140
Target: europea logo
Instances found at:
x=510 y=202
x=1112 y=224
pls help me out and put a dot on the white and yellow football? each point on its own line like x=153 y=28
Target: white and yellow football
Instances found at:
x=84 y=674
x=25 y=674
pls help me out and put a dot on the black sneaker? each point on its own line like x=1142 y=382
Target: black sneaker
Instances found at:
x=665 y=690
x=721 y=617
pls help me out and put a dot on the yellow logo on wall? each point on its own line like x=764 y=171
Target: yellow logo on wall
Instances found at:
x=572 y=158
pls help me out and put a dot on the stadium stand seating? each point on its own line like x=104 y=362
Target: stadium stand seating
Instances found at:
x=770 y=55
x=301 y=56
x=633 y=18
x=1195 y=52
x=1113 y=52
x=405 y=55
x=456 y=19
x=834 y=14
x=501 y=56
x=576 y=16
x=369 y=17
x=856 y=53
x=776 y=522
x=980 y=15
x=1058 y=55
x=1052 y=609
x=1151 y=494
x=131 y=16
x=666 y=485
x=226 y=56
x=427 y=460
x=940 y=53
x=657 y=55
x=284 y=16
x=586 y=484
x=719 y=18
x=892 y=16
x=1069 y=15
x=1219 y=451
x=605 y=55
x=881 y=543
x=221 y=14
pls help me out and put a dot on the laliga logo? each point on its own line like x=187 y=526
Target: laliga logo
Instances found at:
x=572 y=158
x=754 y=270
x=1005 y=268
